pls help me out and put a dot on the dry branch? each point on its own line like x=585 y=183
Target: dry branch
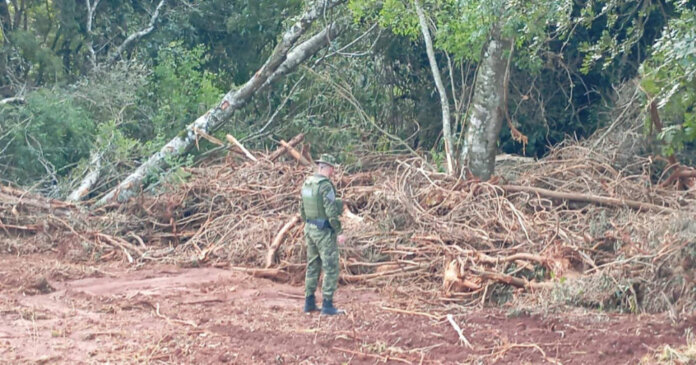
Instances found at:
x=282 y=149
x=296 y=155
x=274 y=274
x=459 y=331
x=270 y=257
x=13 y=100
x=595 y=199
x=359 y=278
x=230 y=138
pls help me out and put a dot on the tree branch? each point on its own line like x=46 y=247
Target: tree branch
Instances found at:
x=137 y=35
x=13 y=100
x=595 y=199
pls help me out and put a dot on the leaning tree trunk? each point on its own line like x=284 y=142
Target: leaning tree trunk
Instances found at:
x=281 y=61
x=483 y=129
x=90 y=179
x=444 y=102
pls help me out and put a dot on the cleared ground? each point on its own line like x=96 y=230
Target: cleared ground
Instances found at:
x=167 y=314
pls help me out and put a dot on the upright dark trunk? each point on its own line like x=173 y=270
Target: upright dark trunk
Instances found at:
x=5 y=18
x=483 y=128
x=5 y=27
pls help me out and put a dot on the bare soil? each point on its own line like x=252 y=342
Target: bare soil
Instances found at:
x=57 y=312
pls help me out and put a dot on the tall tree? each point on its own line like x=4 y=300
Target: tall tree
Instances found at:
x=486 y=115
x=479 y=31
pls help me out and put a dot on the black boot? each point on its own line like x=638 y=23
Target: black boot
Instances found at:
x=310 y=304
x=328 y=309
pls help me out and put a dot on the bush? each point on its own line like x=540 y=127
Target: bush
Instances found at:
x=43 y=138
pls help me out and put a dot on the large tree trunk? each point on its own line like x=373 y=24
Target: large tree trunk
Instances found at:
x=444 y=102
x=90 y=179
x=483 y=129
x=281 y=61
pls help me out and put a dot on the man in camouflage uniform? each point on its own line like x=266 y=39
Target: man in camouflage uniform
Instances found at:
x=320 y=210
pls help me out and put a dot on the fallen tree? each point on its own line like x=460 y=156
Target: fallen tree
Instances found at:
x=282 y=60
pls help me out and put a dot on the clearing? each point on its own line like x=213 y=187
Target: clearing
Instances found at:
x=168 y=314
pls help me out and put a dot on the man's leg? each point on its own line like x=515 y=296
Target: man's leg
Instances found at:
x=313 y=271
x=328 y=250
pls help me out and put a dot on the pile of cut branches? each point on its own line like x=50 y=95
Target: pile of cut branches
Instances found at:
x=573 y=226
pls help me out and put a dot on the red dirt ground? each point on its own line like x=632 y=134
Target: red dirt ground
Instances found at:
x=167 y=314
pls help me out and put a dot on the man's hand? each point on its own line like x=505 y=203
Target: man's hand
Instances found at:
x=341 y=239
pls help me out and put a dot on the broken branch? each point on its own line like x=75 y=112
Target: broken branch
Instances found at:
x=230 y=138
x=270 y=257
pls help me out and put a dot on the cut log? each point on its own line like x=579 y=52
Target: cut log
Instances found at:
x=230 y=138
x=282 y=60
x=270 y=257
x=595 y=199
x=282 y=149
x=295 y=154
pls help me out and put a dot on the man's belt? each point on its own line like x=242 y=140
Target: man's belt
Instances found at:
x=319 y=223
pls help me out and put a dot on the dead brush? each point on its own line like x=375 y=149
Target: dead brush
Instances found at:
x=571 y=221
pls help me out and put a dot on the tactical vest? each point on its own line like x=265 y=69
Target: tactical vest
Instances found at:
x=313 y=204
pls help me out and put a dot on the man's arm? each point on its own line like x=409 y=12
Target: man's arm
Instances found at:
x=331 y=206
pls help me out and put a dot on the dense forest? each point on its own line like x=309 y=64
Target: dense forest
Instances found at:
x=517 y=181
x=92 y=89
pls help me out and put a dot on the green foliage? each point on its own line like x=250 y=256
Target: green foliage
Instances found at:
x=616 y=30
x=180 y=89
x=43 y=62
x=670 y=77
x=43 y=137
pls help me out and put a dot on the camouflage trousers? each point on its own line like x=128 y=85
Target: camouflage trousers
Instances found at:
x=322 y=253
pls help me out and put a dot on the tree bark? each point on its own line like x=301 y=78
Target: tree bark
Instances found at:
x=483 y=129
x=281 y=62
x=444 y=102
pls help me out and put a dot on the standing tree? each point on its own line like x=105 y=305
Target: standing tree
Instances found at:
x=478 y=31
